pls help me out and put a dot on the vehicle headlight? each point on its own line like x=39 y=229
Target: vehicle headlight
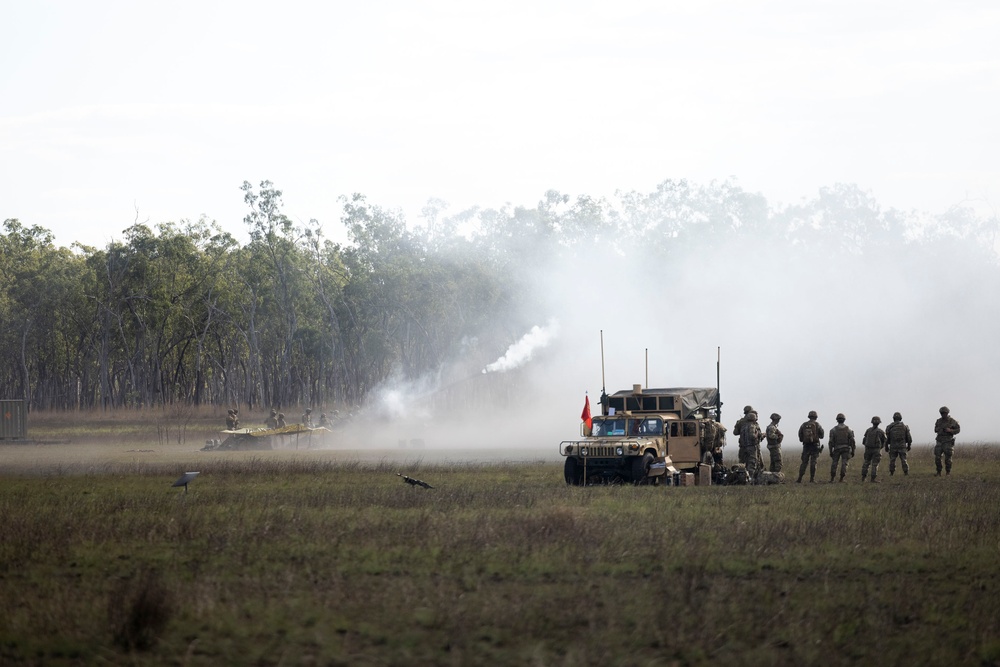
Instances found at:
x=619 y=451
x=583 y=451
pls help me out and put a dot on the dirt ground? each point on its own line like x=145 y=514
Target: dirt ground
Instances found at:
x=86 y=456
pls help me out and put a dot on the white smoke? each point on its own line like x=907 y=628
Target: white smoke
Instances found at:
x=521 y=351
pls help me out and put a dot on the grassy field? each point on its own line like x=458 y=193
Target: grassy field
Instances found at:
x=299 y=558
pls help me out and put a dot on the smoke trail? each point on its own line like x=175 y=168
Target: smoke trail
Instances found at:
x=521 y=351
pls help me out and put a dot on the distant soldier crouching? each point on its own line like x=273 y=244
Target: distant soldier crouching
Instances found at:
x=873 y=441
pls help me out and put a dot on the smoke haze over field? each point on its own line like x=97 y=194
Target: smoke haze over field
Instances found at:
x=907 y=328
x=863 y=335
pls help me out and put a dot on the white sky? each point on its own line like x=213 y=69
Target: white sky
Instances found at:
x=107 y=108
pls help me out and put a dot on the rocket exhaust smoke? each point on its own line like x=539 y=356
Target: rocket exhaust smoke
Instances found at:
x=521 y=351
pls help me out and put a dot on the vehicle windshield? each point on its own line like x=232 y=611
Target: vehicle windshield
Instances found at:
x=622 y=426
x=610 y=426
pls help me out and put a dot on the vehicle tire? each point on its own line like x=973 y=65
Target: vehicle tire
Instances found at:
x=573 y=472
x=640 y=468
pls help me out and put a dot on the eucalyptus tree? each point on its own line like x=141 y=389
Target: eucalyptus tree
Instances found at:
x=37 y=281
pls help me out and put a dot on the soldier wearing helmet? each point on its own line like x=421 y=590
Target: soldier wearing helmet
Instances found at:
x=232 y=419
x=873 y=441
x=811 y=436
x=774 y=438
x=898 y=442
x=842 y=447
x=945 y=429
x=272 y=419
x=738 y=430
x=750 y=437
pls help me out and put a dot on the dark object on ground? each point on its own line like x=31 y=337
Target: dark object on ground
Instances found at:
x=184 y=480
x=414 y=482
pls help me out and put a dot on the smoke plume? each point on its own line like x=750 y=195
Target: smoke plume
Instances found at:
x=521 y=351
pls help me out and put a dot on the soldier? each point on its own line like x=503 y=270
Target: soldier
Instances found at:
x=738 y=431
x=811 y=436
x=720 y=442
x=842 y=447
x=232 y=421
x=306 y=418
x=946 y=429
x=272 y=420
x=281 y=420
x=323 y=421
x=874 y=440
x=750 y=438
x=898 y=442
x=774 y=438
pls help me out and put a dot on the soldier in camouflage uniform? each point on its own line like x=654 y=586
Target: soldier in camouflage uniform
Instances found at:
x=720 y=442
x=842 y=447
x=750 y=438
x=945 y=429
x=898 y=442
x=811 y=436
x=873 y=441
x=774 y=438
x=738 y=431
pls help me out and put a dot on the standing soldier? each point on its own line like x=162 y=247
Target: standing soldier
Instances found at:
x=272 y=419
x=738 y=432
x=232 y=419
x=750 y=438
x=774 y=438
x=306 y=418
x=874 y=440
x=811 y=436
x=720 y=442
x=841 y=447
x=899 y=442
x=945 y=428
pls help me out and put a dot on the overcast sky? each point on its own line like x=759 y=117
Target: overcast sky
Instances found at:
x=118 y=111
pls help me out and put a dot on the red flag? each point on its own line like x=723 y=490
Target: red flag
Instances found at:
x=585 y=416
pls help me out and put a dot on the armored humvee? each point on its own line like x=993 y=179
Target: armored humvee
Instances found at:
x=640 y=432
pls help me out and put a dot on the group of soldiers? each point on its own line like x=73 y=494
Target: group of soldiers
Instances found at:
x=895 y=439
x=277 y=419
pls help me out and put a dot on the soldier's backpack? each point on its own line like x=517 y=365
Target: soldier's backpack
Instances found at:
x=896 y=433
x=810 y=435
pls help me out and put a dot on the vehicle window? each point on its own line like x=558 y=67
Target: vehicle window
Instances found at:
x=652 y=426
x=690 y=428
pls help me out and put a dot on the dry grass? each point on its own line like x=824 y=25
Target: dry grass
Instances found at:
x=305 y=559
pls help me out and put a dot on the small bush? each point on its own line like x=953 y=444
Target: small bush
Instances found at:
x=138 y=610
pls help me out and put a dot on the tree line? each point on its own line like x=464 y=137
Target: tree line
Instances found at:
x=182 y=313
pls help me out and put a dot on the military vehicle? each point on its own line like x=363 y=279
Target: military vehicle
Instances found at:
x=252 y=439
x=640 y=433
